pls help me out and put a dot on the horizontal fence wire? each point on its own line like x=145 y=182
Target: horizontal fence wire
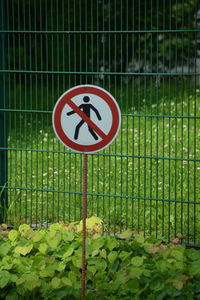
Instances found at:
x=104 y=154
x=146 y=54
x=97 y=73
x=97 y=31
x=101 y=195
x=129 y=115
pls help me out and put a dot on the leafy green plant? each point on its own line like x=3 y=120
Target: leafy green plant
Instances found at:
x=46 y=264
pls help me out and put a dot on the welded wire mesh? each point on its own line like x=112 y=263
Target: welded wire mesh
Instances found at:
x=145 y=53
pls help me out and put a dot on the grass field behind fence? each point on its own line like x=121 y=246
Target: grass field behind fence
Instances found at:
x=147 y=180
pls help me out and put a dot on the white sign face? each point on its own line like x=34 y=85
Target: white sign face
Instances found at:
x=70 y=123
x=86 y=118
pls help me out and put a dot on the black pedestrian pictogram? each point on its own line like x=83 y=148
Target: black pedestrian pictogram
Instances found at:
x=86 y=108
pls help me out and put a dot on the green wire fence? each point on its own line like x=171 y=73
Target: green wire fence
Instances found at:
x=145 y=53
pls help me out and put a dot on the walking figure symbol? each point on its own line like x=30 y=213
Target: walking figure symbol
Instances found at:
x=86 y=108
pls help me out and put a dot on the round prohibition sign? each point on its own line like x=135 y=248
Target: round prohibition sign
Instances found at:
x=95 y=122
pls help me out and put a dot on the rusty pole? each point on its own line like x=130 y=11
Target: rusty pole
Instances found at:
x=84 y=216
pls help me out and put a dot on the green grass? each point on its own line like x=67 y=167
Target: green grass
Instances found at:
x=154 y=159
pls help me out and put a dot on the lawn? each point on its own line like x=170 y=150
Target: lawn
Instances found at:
x=147 y=180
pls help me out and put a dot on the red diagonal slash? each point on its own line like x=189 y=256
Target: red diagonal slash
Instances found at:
x=86 y=119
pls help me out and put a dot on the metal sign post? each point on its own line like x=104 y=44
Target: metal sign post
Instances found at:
x=84 y=216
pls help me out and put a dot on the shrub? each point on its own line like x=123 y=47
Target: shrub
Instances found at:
x=46 y=264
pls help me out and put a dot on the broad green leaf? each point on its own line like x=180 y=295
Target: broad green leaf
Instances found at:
x=99 y=263
x=90 y=223
x=103 y=253
x=7 y=263
x=56 y=227
x=79 y=227
x=194 y=268
x=162 y=266
x=21 y=280
x=178 y=284
x=98 y=243
x=23 y=250
x=55 y=282
x=61 y=266
x=124 y=255
x=54 y=242
x=95 y=252
x=92 y=269
x=112 y=243
x=112 y=256
x=16 y=261
x=37 y=237
x=148 y=247
x=125 y=235
x=24 y=228
x=179 y=266
x=50 y=235
x=166 y=253
x=31 y=282
x=147 y=273
x=4 y=278
x=139 y=238
x=47 y=272
x=69 y=236
x=136 y=272
x=12 y=235
x=77 y=261
x=177 y=254
x=68 y=259
x=4 y=249
x=137 y=261
x=156 y=285
x=93 y=220
x=96 y=236
x=134 y=285
x=13 y=278
x=72 y=277
x=193 y=254
x=43 y=248
x=68 y=253
x=66 y=281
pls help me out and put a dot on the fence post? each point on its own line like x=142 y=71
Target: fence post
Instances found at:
x=3 y=119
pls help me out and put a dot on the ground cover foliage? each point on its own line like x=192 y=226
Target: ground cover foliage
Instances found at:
x=46 y=264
